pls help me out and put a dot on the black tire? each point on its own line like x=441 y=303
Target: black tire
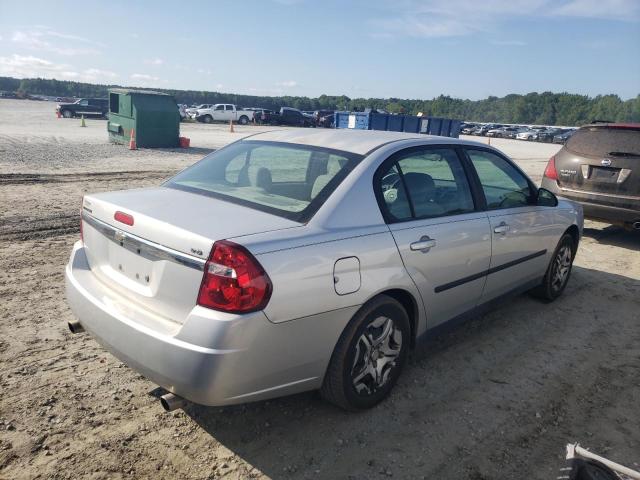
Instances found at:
x=243 y=120
x=207 y=119
x=67 y=113
x=551 y=288
x=338 y=386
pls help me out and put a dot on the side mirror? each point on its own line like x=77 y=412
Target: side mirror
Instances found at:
x=546 y=198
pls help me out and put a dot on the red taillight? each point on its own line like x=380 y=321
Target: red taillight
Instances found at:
x=551 y=172
x=233 y=280
x=123 y=218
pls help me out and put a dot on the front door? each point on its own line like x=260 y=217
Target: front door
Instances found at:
x=444 y=241
x=521 y=231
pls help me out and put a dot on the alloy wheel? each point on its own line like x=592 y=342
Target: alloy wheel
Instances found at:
x=561 y=267
x=376 y=353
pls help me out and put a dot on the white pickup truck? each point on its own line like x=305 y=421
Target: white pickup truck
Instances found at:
x=224 y=112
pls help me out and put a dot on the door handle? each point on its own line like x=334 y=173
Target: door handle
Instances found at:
x=423 y=245
x=503 y=228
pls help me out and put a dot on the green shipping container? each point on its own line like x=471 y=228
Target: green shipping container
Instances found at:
x=153 y=115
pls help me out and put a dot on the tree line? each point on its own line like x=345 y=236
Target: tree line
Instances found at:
x=545 y=108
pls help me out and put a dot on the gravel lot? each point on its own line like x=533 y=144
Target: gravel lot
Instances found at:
x=498 y=397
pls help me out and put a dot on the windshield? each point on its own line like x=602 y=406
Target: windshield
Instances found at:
x=288 y=180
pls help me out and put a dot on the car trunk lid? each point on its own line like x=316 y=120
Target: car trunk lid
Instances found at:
x=601 y=159
x=157 y=261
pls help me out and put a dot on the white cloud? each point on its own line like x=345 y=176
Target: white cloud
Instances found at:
x=288 y=84
x=453 y=18
x=627 y=10
x=45 y=40
x=144 y=80
x=154 y=61
x=143 y=76
x=28 y=66
x=97 y=75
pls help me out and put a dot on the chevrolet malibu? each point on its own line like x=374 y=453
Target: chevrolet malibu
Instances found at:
x=296 y=260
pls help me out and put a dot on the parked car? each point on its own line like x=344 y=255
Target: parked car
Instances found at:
x=483 y=129
x=528 y=134
x=494 y=132
x=290 y=116
x=98 y=107
x=599 y=166
x=563 y=137
x=324 y=118
x=296 y=260
x=182 y=110
x=260 y=115
x=503 y=132
x=548 y=134
x=468 y=129
x=193 y=111
x=224 y=112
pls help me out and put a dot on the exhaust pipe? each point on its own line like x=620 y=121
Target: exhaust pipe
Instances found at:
x=171 y=402
x=75 y=327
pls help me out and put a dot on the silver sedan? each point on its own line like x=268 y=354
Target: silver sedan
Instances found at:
x=296 y=260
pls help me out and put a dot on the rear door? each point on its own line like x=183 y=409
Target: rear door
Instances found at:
x=444 y=240
x=601 y=159
x=522 y=232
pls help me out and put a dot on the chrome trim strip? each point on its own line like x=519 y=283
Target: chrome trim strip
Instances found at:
x=145 y=248
x=587 y=192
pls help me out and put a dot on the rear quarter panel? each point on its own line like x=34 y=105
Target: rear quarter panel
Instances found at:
x=303 y=277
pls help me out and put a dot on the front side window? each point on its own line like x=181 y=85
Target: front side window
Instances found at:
x=503 y=185
x=83 y=103
x=425 y=183
x=284 y=179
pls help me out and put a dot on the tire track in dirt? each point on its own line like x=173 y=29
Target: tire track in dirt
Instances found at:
x=34 y=178
x=29 y=228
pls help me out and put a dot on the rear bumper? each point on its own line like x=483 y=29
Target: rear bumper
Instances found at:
x=213 y=358
x=610 y=208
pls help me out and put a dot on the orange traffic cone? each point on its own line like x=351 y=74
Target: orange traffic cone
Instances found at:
x=231 y=126
x=58 y=114
x=132 y=140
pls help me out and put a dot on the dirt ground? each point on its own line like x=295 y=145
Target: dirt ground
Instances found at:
x=496 y=398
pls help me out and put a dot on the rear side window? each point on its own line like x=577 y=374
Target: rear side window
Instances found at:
x=603 y=141
x=284 y=179
x=425 y=183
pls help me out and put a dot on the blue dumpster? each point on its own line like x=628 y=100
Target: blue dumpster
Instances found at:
x=445 y=127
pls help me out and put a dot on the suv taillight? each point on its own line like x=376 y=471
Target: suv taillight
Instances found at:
x=233 y=280
x=550 y=172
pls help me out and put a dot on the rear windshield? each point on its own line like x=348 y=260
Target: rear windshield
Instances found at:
x=603 y=141
x=285 y=179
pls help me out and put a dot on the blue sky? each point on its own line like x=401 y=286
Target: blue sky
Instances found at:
x=375 y=48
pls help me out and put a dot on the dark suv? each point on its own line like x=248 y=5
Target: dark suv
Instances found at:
x=290 y=116
x=98 y=107
x=599 y=167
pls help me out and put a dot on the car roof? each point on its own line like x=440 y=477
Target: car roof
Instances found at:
x=355 y=141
